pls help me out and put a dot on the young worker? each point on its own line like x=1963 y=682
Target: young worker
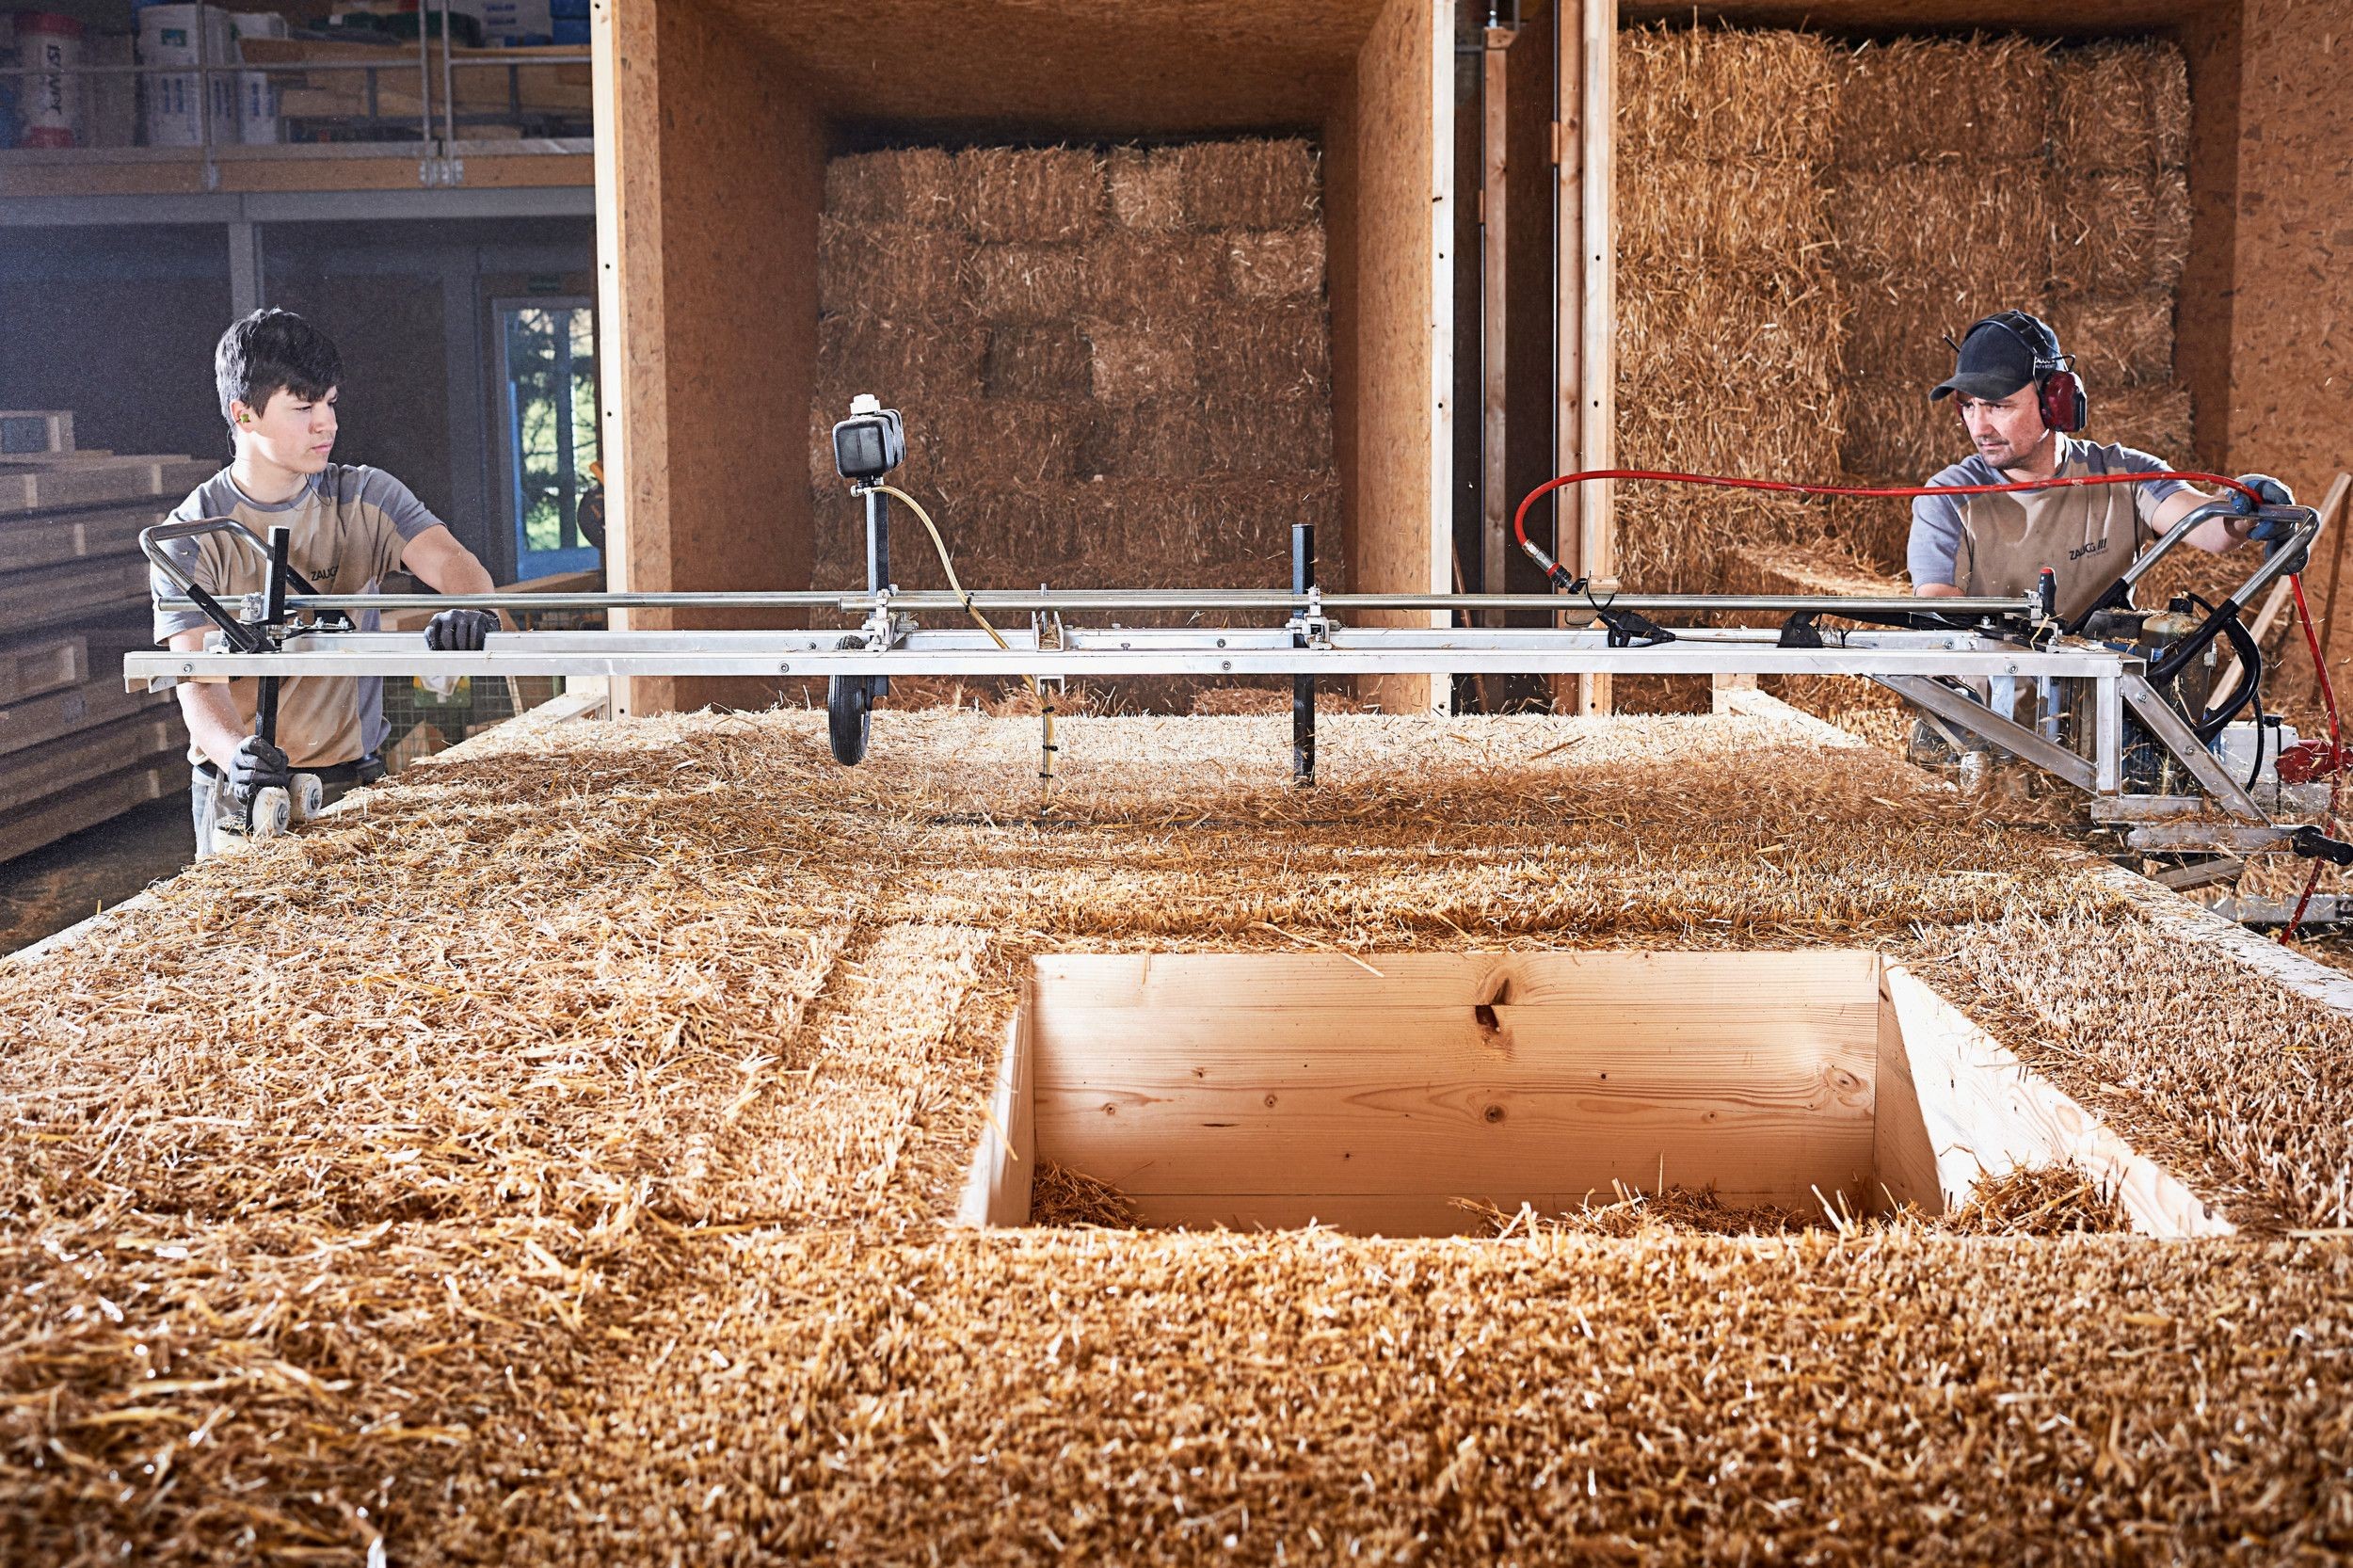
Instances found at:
x=350 y=526
x=2020 y=402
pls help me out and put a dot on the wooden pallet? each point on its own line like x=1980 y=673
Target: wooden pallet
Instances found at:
x=28 y=431
x=48 y=820
x=77 y=762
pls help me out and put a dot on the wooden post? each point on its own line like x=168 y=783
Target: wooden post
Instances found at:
x=1494 y=247
x=1598 y=365
x=1494 y=501
x=1568 y=317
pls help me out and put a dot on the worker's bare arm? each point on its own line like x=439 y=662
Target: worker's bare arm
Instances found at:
x=2213 y=535
x=437 y=560
x=1935 y=590
x=211 y=715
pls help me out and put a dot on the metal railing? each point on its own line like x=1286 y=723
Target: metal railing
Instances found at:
x=436 y=132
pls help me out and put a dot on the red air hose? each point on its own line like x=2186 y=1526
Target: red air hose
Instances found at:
x=2336 y=753
x=1519 y=517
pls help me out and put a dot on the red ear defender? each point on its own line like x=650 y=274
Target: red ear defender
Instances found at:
x=2065 y=408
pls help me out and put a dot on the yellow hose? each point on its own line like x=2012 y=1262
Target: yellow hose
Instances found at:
x=1045 y=706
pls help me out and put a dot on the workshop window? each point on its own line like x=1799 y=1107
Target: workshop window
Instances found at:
x=548 y=376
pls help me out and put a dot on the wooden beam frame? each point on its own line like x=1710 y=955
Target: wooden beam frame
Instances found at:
x=1597 y=364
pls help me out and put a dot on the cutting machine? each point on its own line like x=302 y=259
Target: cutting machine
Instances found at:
x=2115 y=704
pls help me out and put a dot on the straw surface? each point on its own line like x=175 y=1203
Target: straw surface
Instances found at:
x=1976 y=101
x=601 y=1222
x=1031 y=195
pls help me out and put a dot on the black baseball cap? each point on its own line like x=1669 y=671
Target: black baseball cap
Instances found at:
x=1998 y=357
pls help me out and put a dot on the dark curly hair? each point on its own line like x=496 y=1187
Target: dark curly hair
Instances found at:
x=272 y=349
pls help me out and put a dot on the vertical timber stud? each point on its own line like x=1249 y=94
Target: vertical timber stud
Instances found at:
x=1598 y=365
x=1438 y=21
x=1568 y=307
x=1494 y=502
x=634 y=418
x=1303 y=686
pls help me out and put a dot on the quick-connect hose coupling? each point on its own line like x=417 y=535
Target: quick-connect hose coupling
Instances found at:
x=1555 y=573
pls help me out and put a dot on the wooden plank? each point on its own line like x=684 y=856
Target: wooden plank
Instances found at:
x=101 y=700
x=44 y=663
x=1598 y=365
x=1903 y=1154
x=78 y=591
x=1599 y=979
x=1494 y=263
x=1392 y=1214
x=72 y=762
x=1203 y=1074
x=52 y=819
x=125 y=479
x=35 y=540
x=30 y=430
x=1986 y=1114
x=1568 y=324
x=997 y=1186
x=632 y=428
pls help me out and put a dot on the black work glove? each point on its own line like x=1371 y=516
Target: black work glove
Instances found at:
x=254 y=766
x=459 y=631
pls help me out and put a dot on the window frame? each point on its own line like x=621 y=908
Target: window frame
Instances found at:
x=529 y=563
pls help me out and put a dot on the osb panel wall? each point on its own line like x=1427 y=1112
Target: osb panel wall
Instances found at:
x=2292 y=353
x=721 y=179
x=1392 y=175
x=2291 y=390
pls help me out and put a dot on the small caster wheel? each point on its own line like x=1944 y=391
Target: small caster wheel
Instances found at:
x=849 y=716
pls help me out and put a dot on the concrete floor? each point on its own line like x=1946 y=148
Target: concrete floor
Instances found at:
x=51 y=888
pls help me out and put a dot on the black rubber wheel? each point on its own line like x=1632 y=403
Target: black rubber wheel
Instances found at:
x=849 y=716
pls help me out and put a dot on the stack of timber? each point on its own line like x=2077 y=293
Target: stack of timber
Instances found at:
x=75 y=747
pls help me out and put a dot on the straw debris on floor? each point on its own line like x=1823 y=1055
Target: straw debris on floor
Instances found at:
x=547 y=1159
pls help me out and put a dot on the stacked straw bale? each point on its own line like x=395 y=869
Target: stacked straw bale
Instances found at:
x=1978 y=174
x=1728 y=320
x=1116 y=366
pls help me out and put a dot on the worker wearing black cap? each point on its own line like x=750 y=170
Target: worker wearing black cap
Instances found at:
x=2021 y=403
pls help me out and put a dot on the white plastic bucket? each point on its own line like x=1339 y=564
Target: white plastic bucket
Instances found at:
x=50 y=100
x=167 y=101
x=257 y=90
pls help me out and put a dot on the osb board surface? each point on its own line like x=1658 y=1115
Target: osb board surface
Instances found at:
x=1067 y=67
x=740 y=152
x=1399 y=189
x=548 y=1156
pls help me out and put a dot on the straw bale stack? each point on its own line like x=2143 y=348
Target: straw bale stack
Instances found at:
x=2118 y=340
x=889 y=269
x=1728 y=321
x=1725 y=95
x=1147 y=189
x=2153 y=418
x=1945 y=100
x=1677 y=211
x=1248 y=185
x=1923 y=222
x=1894 y=433
x=1029 y=195
x=2120 y=232
x=2119 y=107
x=1115 y=365
x=915 y=186
x=1029 y=282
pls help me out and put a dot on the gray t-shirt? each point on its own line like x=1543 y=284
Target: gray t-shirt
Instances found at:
x=1998 y=545
x=349 y=524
